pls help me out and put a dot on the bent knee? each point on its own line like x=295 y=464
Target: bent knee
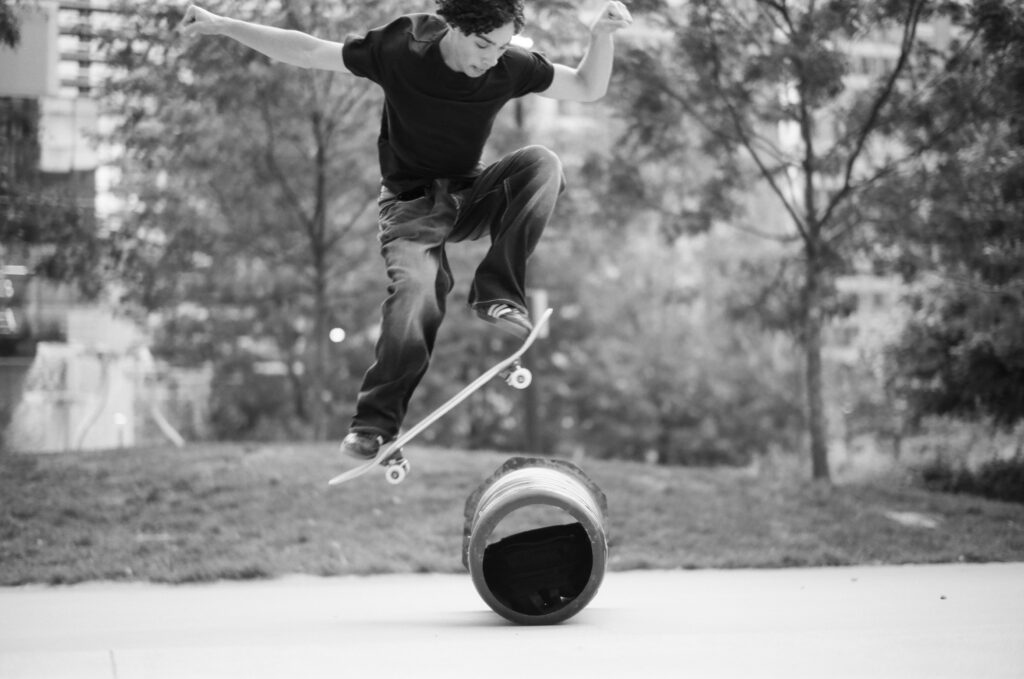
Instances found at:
x=542 y=156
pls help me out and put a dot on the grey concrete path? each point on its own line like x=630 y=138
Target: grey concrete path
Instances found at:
x=964 y=621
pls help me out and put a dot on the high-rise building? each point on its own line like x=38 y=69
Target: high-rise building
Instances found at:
x=73 y=374
x=48 y=123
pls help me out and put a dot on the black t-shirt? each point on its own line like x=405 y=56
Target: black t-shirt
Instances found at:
x=436 y=120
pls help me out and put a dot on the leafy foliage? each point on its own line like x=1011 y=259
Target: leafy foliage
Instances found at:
x=760 y=90
x=45 y=219
x=252 y=188
x=996 y=479
x=963 y=235
x=10 y=29
x=250 y=224
x=646 y=360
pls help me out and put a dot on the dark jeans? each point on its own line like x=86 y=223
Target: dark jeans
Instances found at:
x=512 y=200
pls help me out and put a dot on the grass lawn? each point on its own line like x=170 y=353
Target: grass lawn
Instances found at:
x=261 y=510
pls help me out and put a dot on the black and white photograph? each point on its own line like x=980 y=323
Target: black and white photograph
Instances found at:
x=504 y=338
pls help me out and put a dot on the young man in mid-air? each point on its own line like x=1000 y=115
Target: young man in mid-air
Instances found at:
x=445 y=77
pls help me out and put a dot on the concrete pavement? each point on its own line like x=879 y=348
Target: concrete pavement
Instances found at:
x=963 y=621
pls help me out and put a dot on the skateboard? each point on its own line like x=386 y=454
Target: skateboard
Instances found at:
x=396 y=467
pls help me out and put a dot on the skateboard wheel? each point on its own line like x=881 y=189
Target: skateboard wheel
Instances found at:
x=520 y=378
x=395 y=472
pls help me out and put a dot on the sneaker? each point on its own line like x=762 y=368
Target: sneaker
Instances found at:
x=507 y=317
x=362 y=446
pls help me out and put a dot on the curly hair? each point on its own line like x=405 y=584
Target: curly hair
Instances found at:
x=477 y=17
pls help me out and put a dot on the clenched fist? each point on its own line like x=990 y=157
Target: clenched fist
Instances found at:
x=198 y=21
x=615 y=16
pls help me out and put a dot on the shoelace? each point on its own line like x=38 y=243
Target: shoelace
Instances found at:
x=499 y=310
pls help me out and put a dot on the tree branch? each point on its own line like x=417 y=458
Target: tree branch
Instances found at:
x=888 y=170
x=909 y=32
x=746 y=142
x=270 y=157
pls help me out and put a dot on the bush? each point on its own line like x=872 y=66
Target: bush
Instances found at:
x=996 y=479
x=249 y=406
x=1001 y=480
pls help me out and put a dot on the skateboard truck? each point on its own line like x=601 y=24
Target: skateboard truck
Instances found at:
x=516 y=376
x=395 y=468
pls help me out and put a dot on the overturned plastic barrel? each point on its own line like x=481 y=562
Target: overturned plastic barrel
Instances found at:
x=546 y=574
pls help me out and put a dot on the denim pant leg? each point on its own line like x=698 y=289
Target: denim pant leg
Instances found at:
x=412 y=235
x=513 y=200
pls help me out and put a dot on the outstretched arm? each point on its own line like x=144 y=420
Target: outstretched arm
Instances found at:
x=291 y=47
x=589 y=80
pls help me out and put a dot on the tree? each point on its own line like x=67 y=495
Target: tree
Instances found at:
x=764 y=83
x=249 y=189
x=44 y=220
x=960 y=216
x=10 y=27
x=644 y=366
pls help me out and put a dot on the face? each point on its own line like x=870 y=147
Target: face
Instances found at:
x=475 y=54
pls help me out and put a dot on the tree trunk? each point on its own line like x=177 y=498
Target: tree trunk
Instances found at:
x=318 y=380
x=816 y=419
x=321 y=313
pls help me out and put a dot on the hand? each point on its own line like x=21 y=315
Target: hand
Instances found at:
x=612 y=18
x=198 y=21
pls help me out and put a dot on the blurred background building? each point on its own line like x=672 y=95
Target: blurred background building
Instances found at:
x=74 y=373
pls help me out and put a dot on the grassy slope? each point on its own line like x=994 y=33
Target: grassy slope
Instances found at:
x=238 y=511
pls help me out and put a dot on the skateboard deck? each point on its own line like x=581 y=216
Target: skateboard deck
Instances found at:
x=390 y=454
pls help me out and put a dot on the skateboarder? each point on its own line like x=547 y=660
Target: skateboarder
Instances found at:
x=445 y=77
